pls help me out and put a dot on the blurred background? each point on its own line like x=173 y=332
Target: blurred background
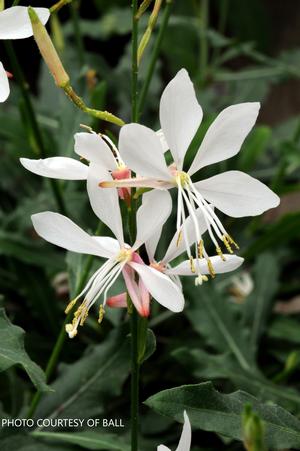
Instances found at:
x=235 y=51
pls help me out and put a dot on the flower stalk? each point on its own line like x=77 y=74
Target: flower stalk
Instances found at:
x=154 y=55
x=135 y=367
x=62 y=79
x=151 y=24
x=57 y=6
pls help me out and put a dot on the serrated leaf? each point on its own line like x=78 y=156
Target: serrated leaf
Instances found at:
x=87 y=439
x=210 y=410
x=223 y=366
x=12 y=352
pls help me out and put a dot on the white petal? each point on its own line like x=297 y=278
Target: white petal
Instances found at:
x=104 y=201
x=4 y=85
x=152 y=214
x=93 y=148
x=165 y=146
x=111 y=245
x=60 y=230
x=174 y=250
x=231 y=263
x=180 y=115
x=141 y=150
x=226 y=134
x=57 y=168
x=237 y=194
x=15 y=22
x=160 y=287
x=151 y=244
x=186 y=436
x=163 y=448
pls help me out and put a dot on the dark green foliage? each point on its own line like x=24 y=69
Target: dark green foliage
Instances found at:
x=228 y=348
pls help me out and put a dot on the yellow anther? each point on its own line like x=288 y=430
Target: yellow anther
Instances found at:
x=84 y=316
x=200 y=279
x=192 y=265
x=220 y=253
x=71 y=331
x=70 y=306
x=231 y=241
x=227 y=244
x=179 y=239
x=200 y=248
x=211 y=268
x=101 y=314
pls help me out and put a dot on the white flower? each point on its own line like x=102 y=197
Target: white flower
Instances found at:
x=185 y=439
x=15 y=24
x=234 y=193
x=60 y=230
x=93 y=147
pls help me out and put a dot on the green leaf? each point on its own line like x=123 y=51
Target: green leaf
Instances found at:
x=97 y=376
x=212 y=317
x=285 y=329
x=87 y=439
x=14 y=245
x=259 y=303
x=24 y=442
x=212 y=411
x=12 y=352
x=207 y=366
x=254 y=147
x=276 y=235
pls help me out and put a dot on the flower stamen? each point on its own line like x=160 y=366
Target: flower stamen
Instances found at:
x=99 y=283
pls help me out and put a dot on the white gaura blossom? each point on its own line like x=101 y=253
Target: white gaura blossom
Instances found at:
x=234 y=193
x=94 y=149
x=60 y=230
x=15 y=24
x=185 y=439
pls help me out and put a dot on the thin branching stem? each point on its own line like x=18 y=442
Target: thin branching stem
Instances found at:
x=154 y=55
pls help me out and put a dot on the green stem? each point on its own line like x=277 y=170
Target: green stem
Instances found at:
x=203 y=40
x=74 y=7
x=36 y=132
x=134 y=63
x=154 y=55
x=134 y=381
x=134 y=395
x=223 y=14
x=62 y=335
